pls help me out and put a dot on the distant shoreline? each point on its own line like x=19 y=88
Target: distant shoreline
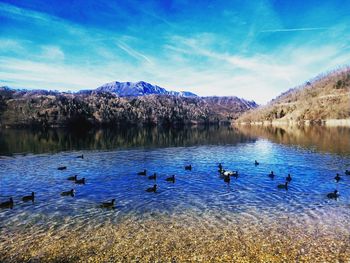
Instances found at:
x=328 y=123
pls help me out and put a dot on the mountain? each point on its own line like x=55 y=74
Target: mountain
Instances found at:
x=326 y=98
x=229 y=107
x=141 y=88
x=25 y=108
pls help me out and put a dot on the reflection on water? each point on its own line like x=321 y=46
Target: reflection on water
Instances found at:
x=321 y=138
x=201 y=212
x=37 y=141
x=325 y=139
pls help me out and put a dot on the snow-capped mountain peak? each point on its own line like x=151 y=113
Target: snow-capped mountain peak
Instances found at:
x=141 y=88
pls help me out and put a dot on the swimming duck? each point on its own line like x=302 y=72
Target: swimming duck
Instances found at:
x=333 y=195
x=231 y=173
x=80 y=181
x=62 y=168
x=283 y=186
x=72 y=178
x=67 y=193
x=153 y=177
x=271 y=175
x=171 y=179
x=337 y=178
x=227 y=179
x=152 y=189
x=108 y=204
x=142 y=173
x=7 y=204
x=256 y=162
x=188 y=167
x=347 y=172
x=220 y=166
x=28 y=198
x=80 y=156
x=289 y=178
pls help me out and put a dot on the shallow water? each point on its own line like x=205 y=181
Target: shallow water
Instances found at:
x=199 y=199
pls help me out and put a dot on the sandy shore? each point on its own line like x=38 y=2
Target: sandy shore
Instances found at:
x=166 y=239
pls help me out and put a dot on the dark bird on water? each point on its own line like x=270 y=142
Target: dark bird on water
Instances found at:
x=108 y=204
x=72 y=178
x=62 y=168
x=256 y=162
x=7 y=204
x=347 y=172
x=171 y=179
x=188 y=167
x=68 y=193
x=142 y=173
x=289 y=178
x=271 y=175
x=283 y=186
x=220 y=166
x=80 y=156
x=80 y=181
x=227 y=179
x=152 y=189
x=28 y=198
x=153 y=177
x=337 y=178
x=333 y=195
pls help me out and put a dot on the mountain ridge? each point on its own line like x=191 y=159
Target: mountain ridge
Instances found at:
x=325 y=97
x=140 y=88
x=42 y=108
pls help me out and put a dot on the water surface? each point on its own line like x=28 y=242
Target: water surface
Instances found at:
x=200 y=198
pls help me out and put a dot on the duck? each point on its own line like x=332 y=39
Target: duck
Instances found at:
x=7 y=204
x=72 y=178
x=142 y=173
x=271 y=175
x=188 y=167
x=220 y=167
x=67 y=193
x=256 y=162
x=283 y=186
x=231 y=173
x=80 y=156
x=80 y=181
x=289 y=178
x=62 y=168
x=337 y=178
x=153 y=177
x=171 y=179
x=108 y=204
x=28 y=198
x=227 y=179
x=333 y=195
x=347 y=172
x=152 y=189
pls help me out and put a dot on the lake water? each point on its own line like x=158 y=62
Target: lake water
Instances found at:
x=199 y=217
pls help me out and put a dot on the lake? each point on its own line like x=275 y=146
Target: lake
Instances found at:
x=199 y=217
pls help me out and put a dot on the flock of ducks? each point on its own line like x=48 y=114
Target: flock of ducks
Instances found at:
x=225 y=174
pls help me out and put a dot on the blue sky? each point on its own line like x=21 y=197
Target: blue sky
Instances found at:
x=250 y=49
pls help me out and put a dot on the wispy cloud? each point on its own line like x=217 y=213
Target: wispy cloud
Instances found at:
x=294 y=29
x=228 y=53
x=132 y=52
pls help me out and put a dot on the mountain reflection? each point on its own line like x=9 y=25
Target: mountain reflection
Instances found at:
x=320 y=138
x=324 y=139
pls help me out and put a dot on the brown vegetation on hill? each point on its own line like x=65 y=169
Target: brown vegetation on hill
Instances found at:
x=54 y=109
x=323 y=98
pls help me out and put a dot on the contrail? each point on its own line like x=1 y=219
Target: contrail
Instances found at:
x=133 y=52
x=295 y=29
